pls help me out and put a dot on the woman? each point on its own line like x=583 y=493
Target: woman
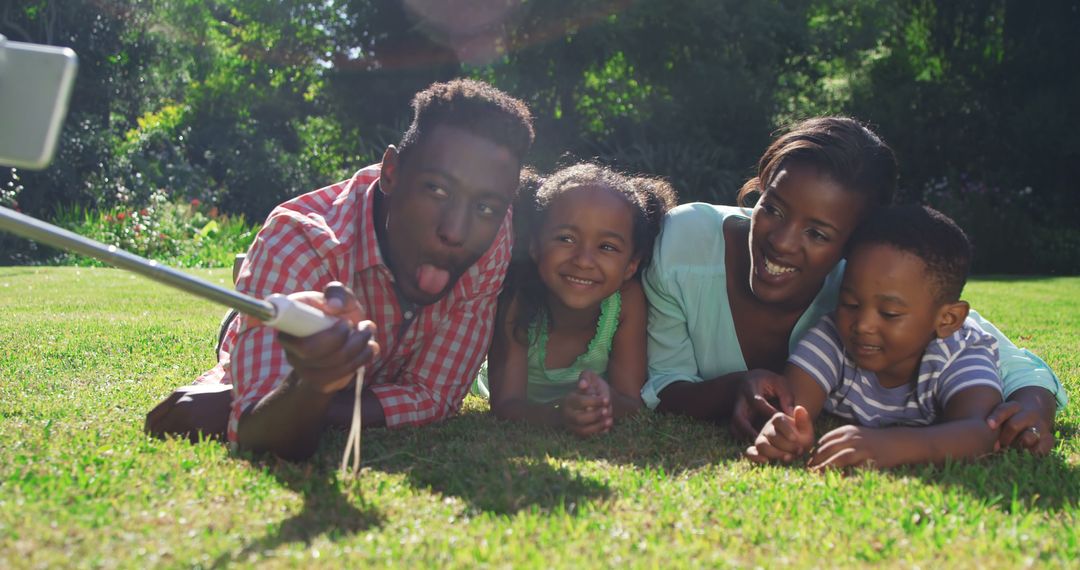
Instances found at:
x=732 y=290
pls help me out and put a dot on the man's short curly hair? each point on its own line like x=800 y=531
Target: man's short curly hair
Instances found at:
x=474 y=106
x=927 y=234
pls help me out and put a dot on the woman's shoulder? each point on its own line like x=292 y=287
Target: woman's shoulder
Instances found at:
x=698 y=216
x=692 y=235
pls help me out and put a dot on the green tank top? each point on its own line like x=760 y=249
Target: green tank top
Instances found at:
x=550 y=385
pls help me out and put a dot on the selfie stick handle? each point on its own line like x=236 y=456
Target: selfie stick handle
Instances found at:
x=279 y=311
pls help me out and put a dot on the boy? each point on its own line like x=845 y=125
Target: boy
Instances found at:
x=898 y=357
x=422 y=239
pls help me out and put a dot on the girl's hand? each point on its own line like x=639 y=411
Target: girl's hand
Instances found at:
x=851 y=446
x=587 y=410
x=783 y=438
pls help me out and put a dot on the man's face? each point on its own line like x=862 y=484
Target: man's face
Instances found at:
x=445 y=202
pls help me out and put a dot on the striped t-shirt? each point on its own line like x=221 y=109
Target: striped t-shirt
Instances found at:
x=966 y=359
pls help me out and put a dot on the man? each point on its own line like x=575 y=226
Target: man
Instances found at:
x=422 y=241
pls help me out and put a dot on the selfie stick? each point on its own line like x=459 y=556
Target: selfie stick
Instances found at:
x=278 y=311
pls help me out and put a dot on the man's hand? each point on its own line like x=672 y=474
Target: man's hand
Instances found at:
x=327 y=361
x=852 y=446
x=754 y=402
x=1025 y=424
x=784 y=437
x=587 y=410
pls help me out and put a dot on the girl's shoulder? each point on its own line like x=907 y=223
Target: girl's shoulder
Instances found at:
x=631 y=299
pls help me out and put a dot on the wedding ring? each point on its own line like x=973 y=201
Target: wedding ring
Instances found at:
x=1035 y=431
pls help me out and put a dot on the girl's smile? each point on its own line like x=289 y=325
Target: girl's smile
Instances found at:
x=584 y=251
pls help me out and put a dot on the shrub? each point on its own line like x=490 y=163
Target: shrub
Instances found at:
x=180 y=234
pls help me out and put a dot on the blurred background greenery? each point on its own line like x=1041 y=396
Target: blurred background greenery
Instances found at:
x=239 y=104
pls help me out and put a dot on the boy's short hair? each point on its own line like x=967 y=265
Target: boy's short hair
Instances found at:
x=474 y=106
x=929 y=235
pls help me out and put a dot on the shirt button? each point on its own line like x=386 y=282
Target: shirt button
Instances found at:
x=408 y=315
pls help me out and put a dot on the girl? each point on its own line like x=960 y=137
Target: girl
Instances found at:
x=732 y=289
x=569 y=343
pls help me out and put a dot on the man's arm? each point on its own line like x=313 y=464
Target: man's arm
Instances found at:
x=289 y=420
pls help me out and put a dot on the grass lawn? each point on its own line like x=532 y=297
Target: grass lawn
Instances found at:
x=84 y=353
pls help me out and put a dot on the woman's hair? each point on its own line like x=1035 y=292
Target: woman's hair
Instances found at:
x=649 y=199
x=843 y=149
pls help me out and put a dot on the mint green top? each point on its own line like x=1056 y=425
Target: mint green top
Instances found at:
x=550 y=385
x=691 y=333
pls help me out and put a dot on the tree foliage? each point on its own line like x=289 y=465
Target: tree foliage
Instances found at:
x=243 y=103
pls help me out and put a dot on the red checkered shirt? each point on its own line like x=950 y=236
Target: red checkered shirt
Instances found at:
x=422 y=374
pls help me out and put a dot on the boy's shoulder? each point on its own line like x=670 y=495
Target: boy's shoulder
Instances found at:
x=970 y=337
x=965 y=359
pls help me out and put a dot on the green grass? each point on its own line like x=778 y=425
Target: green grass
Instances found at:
x=84 y=353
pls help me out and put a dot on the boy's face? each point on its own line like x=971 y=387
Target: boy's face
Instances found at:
x=445 y=203
x=887 y=312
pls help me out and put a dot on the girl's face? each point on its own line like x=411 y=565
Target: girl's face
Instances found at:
x=797 y=234
x=584 y=251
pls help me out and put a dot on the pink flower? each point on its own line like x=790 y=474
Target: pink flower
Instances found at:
x=121 y=216
x=195 y=202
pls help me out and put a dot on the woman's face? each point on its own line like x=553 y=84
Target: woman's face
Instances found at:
x=797 y=234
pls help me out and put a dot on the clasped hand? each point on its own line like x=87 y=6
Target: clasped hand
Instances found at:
x=327 y=361
x=587 y=410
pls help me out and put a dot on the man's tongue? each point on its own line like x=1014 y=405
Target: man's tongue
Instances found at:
x=431 y=279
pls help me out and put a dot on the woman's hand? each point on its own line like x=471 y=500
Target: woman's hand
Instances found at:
x=1026 y=421
x=756 y=401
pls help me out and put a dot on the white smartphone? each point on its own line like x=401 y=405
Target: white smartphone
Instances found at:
x=35 y=86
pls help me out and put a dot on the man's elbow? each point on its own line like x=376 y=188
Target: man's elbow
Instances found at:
x=250 y=438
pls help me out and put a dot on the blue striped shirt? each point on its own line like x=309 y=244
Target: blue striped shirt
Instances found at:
x=966 y=359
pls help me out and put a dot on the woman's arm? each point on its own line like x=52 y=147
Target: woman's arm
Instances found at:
x=628 y=365
x=673 y=384
x=1033 y=395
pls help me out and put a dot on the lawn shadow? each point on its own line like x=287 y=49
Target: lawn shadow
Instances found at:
x=326 y=509
x=488 y=468
x=505 y=467
x=1012 y=481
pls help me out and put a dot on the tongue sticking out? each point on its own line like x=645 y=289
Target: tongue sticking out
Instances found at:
x=431 y=279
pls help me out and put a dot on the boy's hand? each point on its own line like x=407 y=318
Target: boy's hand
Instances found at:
x=327 y=361
x=851 y=446
x=759 y=388
x=587 y=410
x=783 y=438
